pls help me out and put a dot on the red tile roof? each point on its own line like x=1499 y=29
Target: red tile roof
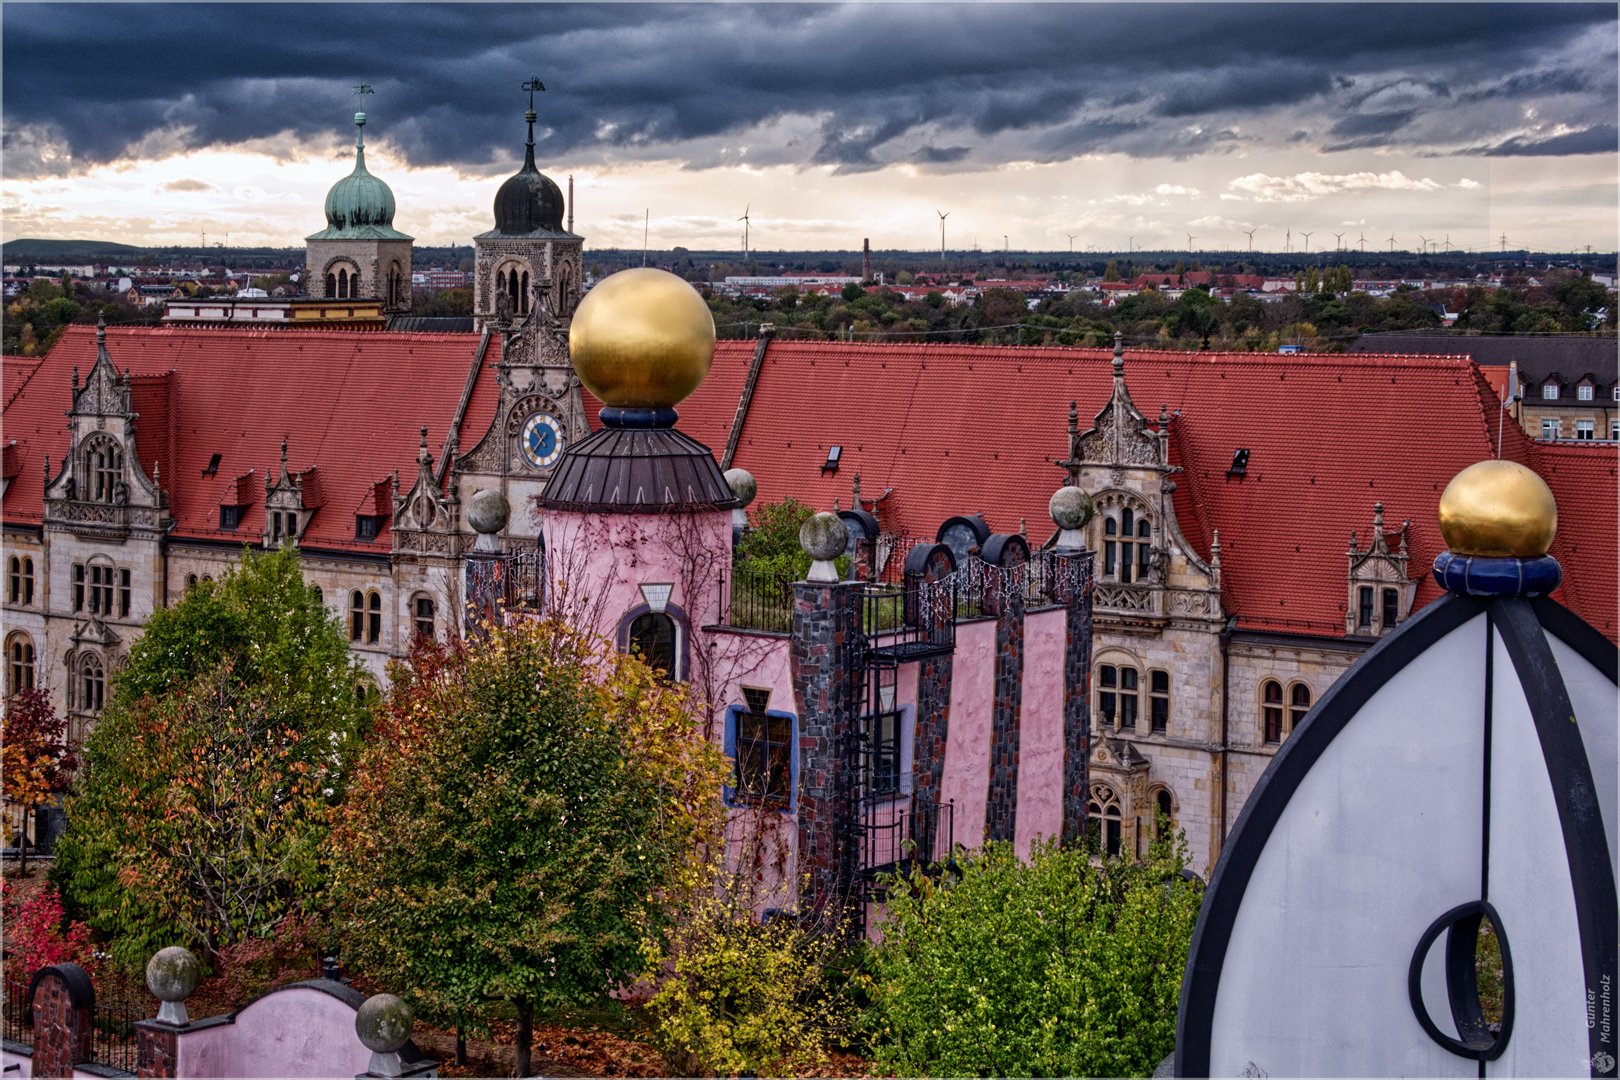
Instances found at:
x=1582 y=478
x=956 y=429
x=350 y=404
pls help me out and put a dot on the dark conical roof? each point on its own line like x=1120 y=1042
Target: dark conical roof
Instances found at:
x=529 y=203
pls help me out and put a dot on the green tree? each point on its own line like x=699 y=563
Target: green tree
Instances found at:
x=531 y=809
x=772 y=544
x=1060 y=966
x=264 y=641
x=1112 y=273
x=852 y=292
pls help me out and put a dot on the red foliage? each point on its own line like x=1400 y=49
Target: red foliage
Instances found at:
x=35 y=937
x=39 y=761
x=249 y=968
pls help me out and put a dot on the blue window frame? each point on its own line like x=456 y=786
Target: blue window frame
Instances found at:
x=760 y=744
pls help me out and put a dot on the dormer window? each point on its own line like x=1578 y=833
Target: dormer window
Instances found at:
x=1549 y=391
x=1131 y=554
x=230 y=517
x=106 y=464
x=367 y=526
x=1584 y=393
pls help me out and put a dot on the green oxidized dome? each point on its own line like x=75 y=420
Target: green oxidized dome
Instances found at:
x=360 y=206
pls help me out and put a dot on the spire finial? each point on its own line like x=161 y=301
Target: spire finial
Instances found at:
x=284 y=453
x=531 y=116
x=855 y=496
x=1378 y=521
x=101 y=331
x=1119 y=353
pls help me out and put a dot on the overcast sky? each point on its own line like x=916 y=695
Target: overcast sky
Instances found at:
x=1114 y=124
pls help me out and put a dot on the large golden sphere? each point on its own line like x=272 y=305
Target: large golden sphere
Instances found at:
x=1498 y=508
x=642 y=339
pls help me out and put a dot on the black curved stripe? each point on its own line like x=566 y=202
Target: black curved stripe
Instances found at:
x=1579 y=635
x=1597 y=912
x=1265 y=806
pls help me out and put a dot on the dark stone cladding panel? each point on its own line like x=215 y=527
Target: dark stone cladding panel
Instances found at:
x=64 y=1007
x=928 y=755
x=1001 y=803
x=1076 y=707
x=157 y=1050
x=637 y=470
x=820 y=657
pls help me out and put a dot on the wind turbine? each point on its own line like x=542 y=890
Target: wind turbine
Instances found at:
x=1424 y=240
x=1448 y=244
x=1363 y=241
x=744 y=220
x=1338 y=241
x=1071 y=237
x=943 y=214
x=1288 y=239
x=1250 y=234
x=1190 y=239
x=1392 y=243
x=1307 y=237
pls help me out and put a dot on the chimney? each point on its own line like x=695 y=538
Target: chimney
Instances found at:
x=866 y=261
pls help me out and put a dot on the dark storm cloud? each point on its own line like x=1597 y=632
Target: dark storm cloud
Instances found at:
x=880 y=83
x=1598 y=139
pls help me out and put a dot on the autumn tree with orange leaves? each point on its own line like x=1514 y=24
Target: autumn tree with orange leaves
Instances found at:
x=38 y=761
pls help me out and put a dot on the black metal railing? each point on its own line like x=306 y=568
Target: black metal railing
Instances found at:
x=19 y=1013
x=498 y=583
x=758 y=600
x=112 y=1035
x=900 y=835
x=908 y=621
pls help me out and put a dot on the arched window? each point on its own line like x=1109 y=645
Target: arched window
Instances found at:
x=92 y=684
x=512 y=293
x=331 y=285
x=653 y=638
x=1118 y=698
x=1299 y=703
x=20 y=580
x=191 y=581
x=106 y=463
x=1104 y=810
x=100 y=592
x=357 y=614
x=395 y=287
x=343 y=284
x=1165 y=818
x=374 y=618
x=424 y=617
x=523 y=304
x=1127 y=546
x=20 y=664
x=1271 y=696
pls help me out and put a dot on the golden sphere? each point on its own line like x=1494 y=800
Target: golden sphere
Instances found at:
x=1498 y=508
x=642 y=339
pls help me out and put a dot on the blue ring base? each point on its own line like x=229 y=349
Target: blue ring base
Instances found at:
x=1497 y=575
x=617 y=417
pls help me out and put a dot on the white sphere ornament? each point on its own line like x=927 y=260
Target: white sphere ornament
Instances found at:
x=1070 y=508
x=172 y=974
x=824 y=537
x=383 y=1024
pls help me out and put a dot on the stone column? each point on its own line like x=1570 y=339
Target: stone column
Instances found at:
x=1001 y=804
x=1075 y=570
x=823 y=629
x=64 y=1012
x=928 y=755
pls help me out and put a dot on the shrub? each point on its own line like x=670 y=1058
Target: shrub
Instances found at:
x=772 y=543
x=36 y=937
x=1062 y=966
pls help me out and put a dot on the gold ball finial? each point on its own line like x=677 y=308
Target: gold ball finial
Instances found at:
x=642 y=339
x=1498 y=508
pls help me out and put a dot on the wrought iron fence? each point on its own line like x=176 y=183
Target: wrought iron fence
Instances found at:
x=112 y=1035
x=759 y=600
x=899 y=836
x=496 y=584
x=19 y=1013
x=907 y=621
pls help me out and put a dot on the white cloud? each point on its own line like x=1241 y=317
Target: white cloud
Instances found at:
x=1314 y=185
x=1467 y=183
x=1176 y=189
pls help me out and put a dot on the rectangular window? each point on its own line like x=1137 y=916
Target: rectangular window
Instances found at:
x=1549 y=428
x=1107 y=692
x=1366 y=601
x=28 y=582
x=1127 y=698
x=78 y=586
x=1583 y=393
x=1110 y=557
x=123 y=594
x=1585 y=429
x=357 y=615
x=1614 y=430
x=230 y=517
x=765 y=758
x=275 y=526
x=1392 y=607
x=884 y=765
x=424 y=617
x=1159 y=699
x=1550 y=392
x=365 y=527
x=374 y=624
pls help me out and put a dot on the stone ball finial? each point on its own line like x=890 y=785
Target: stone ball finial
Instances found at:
x=742 y=484
x=488 y=512
x=1498 y=508
x=642 y=339
x=383 y=1024
x=824 y=537
x=172 y=974
x=1070 y=508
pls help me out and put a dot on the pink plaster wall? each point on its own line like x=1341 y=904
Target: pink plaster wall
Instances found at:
x=598 y=561
x=1040 y=730
x=967 y=747
x=295 y=1032
x=24 y=1063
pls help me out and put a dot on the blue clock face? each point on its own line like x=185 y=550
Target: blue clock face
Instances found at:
x=542 y=440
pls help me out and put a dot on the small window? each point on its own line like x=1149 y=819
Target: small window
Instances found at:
x=1299 y=703
x=78 y=586
x=1585 y=429
x=28 y=582
x=1110 y=547
x=424 y=618
x=357 y=615
x=1392 y=607
x=1127 y=698
x=1364 y=608
x=230 y=517
x=883 y=737
x=1549 y=392
x=123 y=594
x=1584 y=393
x=834 y=455
x=1240 y=462
x=191 y=581
x=1103 y=809
x=318 y=596
x=1107 y=692
x=1272 y=705
x=92 y=685
x=764 y=758
x=1165 y=819
x=20 y=664
x=652 y=637
x=1159 y=699
x=213 y=466
x=275 y=526
x=365 y=526
x=14 y=580
x=106 y=470
x=1614 y=430
x=1549 y=428
x=373 y=618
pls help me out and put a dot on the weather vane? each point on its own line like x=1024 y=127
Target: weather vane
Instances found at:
x=531 y=86
x=362 y=89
